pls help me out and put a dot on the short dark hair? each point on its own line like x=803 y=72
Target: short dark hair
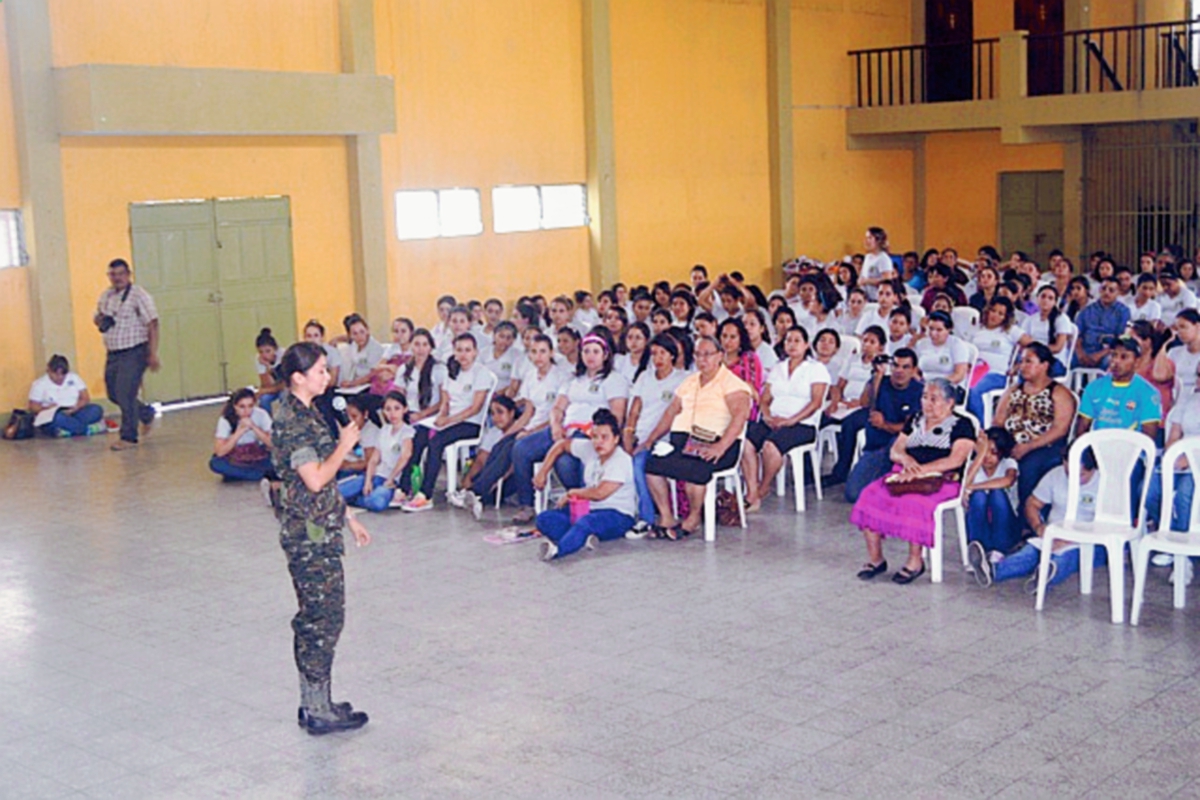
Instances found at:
x=906 y=352
x=608 y=419
x=119 y=263
x=58 y=363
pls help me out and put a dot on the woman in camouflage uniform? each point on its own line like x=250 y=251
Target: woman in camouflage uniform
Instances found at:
x=313 y=514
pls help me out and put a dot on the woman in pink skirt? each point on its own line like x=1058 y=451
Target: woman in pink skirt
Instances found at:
x=936 y=441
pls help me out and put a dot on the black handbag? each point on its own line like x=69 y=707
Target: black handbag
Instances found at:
x=20 y=425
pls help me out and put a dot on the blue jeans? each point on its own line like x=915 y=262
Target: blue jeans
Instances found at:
x=498 y=462
x=988 y=383
x=645 y=501
x=1034 y=466
x=1185 y=488
x=991 y=520
x=527 y=452
x=352 y=490
x=241 y=472
x=871 y=466
x=266 y=400
x=75 y=424
x=1025 y=562
x=606 y=524
x=847 y=437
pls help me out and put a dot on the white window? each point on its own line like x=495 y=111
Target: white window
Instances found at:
x=530 y=208
x=12 y=254
x=428 y=214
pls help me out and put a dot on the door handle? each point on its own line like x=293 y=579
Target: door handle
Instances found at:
x=216 y=297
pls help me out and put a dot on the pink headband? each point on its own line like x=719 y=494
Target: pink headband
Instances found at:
x=592 y=338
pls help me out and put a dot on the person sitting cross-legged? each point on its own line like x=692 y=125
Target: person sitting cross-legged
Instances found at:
x=65 y=392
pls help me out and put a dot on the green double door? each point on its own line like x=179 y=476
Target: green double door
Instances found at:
x=1031 y=213
x=219 y=271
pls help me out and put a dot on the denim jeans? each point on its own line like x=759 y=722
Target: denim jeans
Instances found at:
x=75 y=424
x=645 y=501
x=606 y=524
x=352 y=490
x=241 y=472
x=266 y=400
x=498 y=461
x=527 y=452
x=847 y=438
x=1034 y=466
x=991 y=520
x=1185 y=488
x=1025 y=562
x=872 y=465
x=989 y=382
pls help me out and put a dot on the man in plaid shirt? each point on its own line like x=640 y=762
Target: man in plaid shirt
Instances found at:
x=128 y=321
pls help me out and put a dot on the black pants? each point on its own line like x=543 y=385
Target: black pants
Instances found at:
x=123 y=373
x=437 y=447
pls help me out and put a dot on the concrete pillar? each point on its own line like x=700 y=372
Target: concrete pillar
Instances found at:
x=781 y=142
x=601 y=144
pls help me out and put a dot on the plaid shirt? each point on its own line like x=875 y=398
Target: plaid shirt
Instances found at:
x=133 y=317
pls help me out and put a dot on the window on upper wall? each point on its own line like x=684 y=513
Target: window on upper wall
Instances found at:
x=531 y=208
x=429 y=214
x=12 y=250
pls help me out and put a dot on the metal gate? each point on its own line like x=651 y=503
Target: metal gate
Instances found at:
x=1141 y=188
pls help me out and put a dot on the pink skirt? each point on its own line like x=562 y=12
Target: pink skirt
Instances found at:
x=908 y=517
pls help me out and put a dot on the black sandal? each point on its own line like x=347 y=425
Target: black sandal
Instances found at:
x=905 y=575
x=675 y=533
x=870 y=571
x=657 y=532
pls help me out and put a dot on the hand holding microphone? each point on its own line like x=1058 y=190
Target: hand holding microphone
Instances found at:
x=348 y=432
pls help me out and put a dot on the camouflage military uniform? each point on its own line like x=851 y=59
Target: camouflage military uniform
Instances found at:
x=311 y=535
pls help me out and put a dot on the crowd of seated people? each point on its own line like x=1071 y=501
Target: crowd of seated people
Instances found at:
x=915 y=368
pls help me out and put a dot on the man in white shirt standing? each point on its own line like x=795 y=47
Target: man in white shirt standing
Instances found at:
x=128 y=321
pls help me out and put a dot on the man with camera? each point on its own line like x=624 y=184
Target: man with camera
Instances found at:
x=891 y=399
x=128 y=321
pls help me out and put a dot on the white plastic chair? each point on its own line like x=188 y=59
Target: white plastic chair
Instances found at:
x=965 y=383
x=935 y=555
x=966 y=321
x=796 y=457
x=1082 y=376
x=452 y=452
x=1116 y=451
x=734 y=475
x=827 y=435
x=1180 y=544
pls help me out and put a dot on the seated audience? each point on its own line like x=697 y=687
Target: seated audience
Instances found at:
x=267 y=367
x=66 y=394
x=1051 y=327
x=996 y=339
x=242 y=451
x=503 y=358
x=740 y=359
x=387 y=479
x=1175 y=296
x=479 y=480
x=705 y=420
x=941 y=355
x=1179 y=357
x=421 y=379
x=935 y=443
x=1184 y=420
x=1121 y=399
x=652 y=393
x=991 y=482
x=1098 y=323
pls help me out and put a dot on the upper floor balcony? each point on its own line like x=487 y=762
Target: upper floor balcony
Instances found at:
x=1031 y=88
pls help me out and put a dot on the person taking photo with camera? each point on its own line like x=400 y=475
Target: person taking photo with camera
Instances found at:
x=893 y=396
x=128 y=321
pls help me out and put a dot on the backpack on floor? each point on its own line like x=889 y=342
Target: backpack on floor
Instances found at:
x=20 y=425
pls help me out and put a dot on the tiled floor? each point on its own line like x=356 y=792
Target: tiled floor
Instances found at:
x=145 y=652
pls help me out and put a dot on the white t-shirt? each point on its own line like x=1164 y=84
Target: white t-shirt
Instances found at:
x=792 y=392
x=656 y=396
x=542 y=392
x=361 y=362
x=389 y=442
x=258 y=416
x=625 y=364
x=1039 y=330
x=1152 y=311
x=875 y=266
x=847 y=325
x=1001 y=471
x=1185 y=368
x=368 y=439
x=766 y=355
x=261 y=368
x=483 y=339
x=64 y=395
x=462 y=389
x=412 y=386
x=871 y=316
x=618 y=469
x=892 y=345
x=857 y=374
x=333 y=358
x=490 y=438
x=939 y=362
x=585 y=396
x=996 y=346
x=1171 y=306
x=1186 y=414
x=1052 y=490
x=506 y=368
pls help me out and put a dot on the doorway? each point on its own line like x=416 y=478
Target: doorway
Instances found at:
x=219 y=270
x=1031 y=213
x=1043 y=19
x=949 y=31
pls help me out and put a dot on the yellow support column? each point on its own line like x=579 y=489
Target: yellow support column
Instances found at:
x=779 y=125
x=365 y=167
x=601 y=145
x=39 y=162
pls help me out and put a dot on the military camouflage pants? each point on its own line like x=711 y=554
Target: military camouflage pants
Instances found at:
x=320 y=585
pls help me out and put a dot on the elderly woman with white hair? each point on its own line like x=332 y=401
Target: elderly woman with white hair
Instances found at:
x=928 y=458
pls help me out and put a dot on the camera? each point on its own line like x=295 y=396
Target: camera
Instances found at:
x=106 y=322
x=881 y=359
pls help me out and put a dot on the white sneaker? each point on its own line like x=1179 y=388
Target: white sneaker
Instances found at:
x=1162 y=559
x=398 y=500
x=475 y=503
x=547 y=550
x=455 y=498
x=592 y=542
x=640 y=530
x=418 y=503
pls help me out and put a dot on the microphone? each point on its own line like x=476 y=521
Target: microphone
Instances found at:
x=339 y=410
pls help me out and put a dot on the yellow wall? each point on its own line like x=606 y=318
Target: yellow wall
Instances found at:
x=962 y=184
x=16 y=366
x=311 y=171
x=690 y=112
x=839 y=193
x=487 y=94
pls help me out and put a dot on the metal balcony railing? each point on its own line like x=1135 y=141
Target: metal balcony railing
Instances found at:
x=1162 y=55
x=910 y=74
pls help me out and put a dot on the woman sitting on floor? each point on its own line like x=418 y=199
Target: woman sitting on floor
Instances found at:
x=66 y=394
x=387 y=479
x=242 y=451
x=935 y=443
